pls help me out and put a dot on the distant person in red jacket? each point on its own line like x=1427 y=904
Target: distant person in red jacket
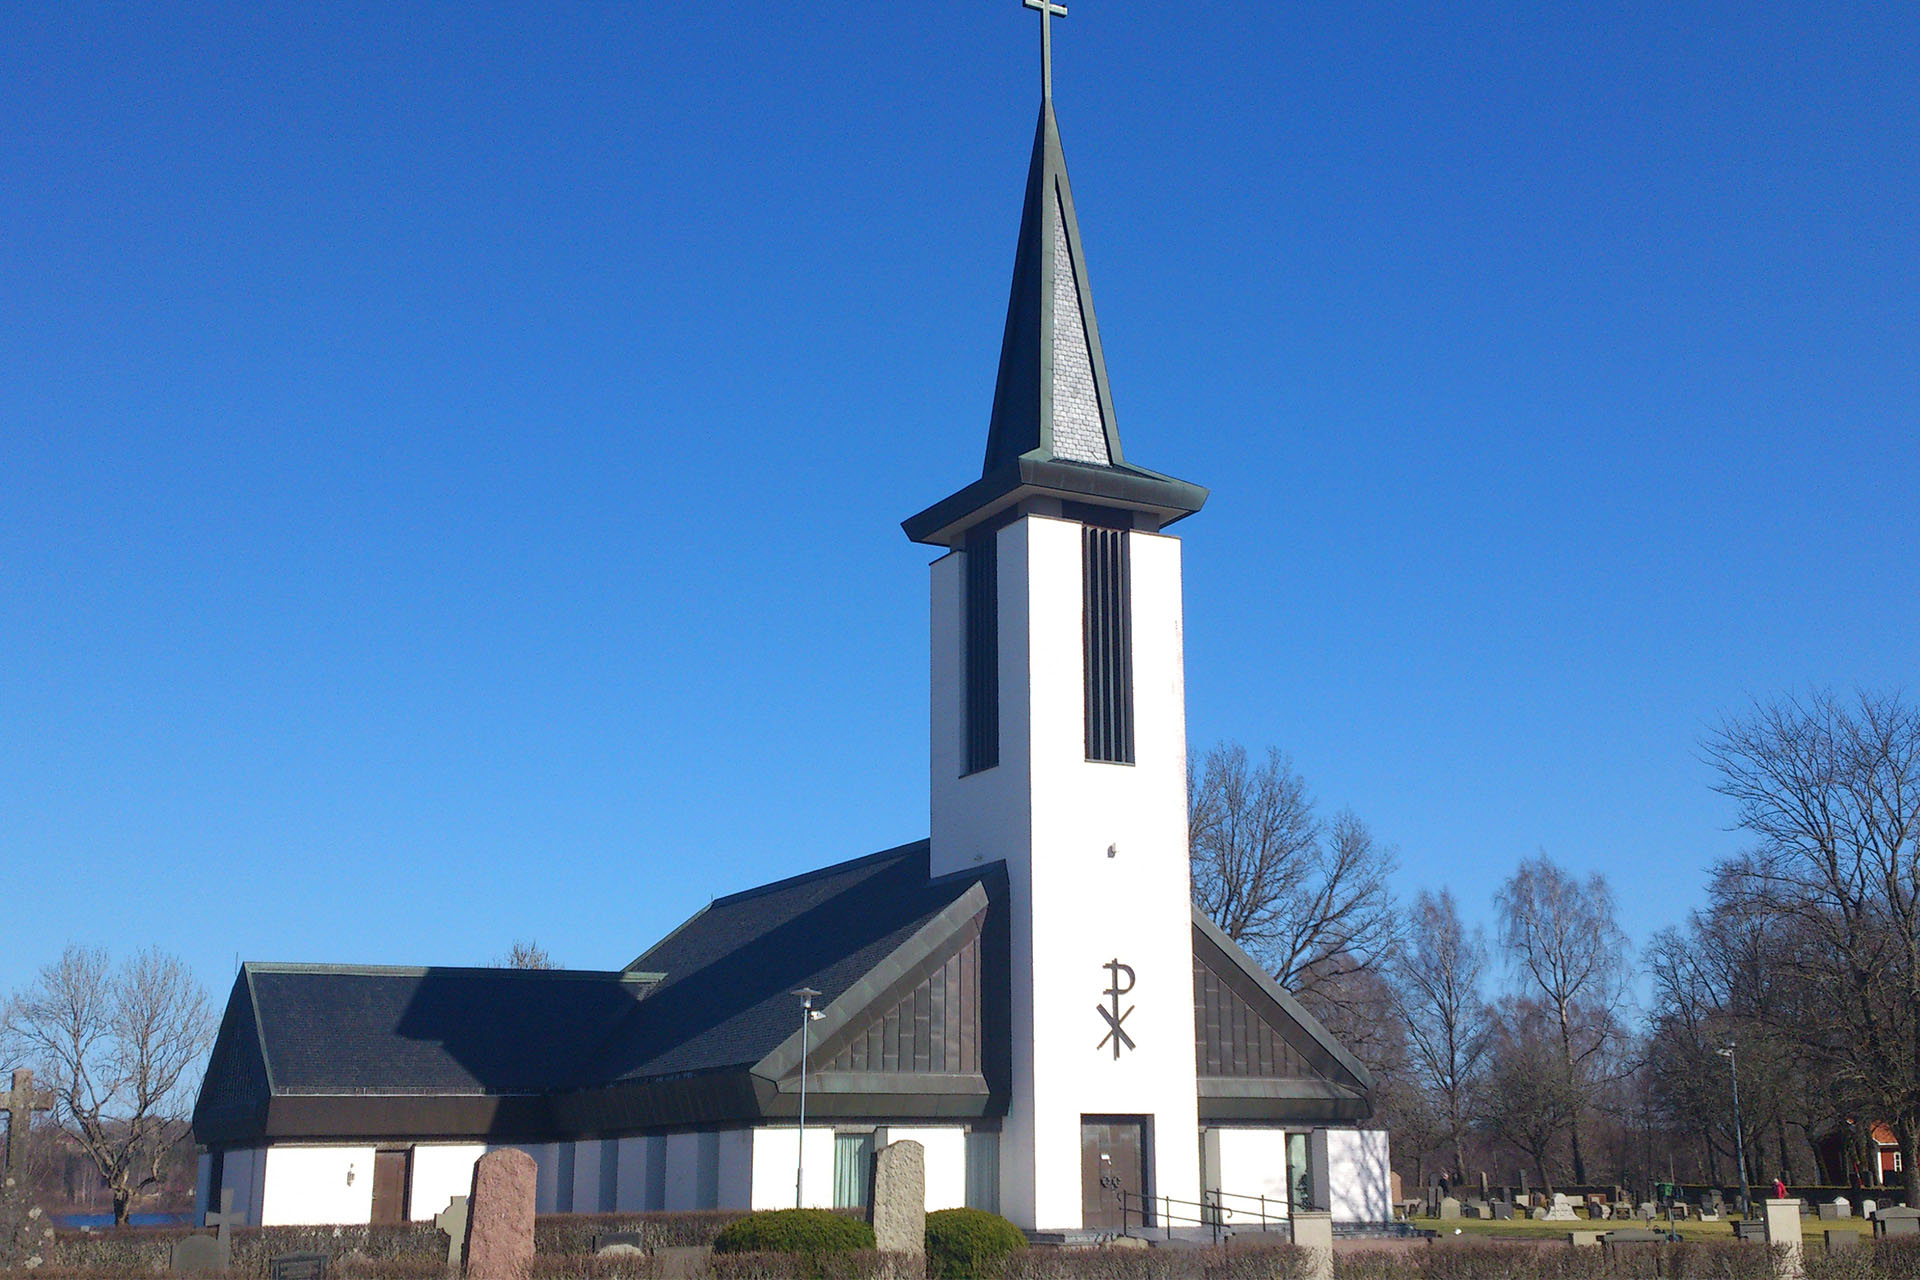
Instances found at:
x=1779 y=1189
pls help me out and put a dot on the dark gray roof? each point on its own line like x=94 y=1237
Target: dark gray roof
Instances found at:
x=726 y=997
x=352 y=1029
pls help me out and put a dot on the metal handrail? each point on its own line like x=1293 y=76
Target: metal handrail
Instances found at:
x=1272 y=1215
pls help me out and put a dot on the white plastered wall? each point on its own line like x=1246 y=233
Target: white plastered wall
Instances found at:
x=202 y=1186
x=316 y=1186
x=635 y=1176
x=946 y=1161
x=244 y=1173
x=441 y=1171
x=1052 y=816
x=775 y=1163
x=1246 y=1164
x=1359 y=1177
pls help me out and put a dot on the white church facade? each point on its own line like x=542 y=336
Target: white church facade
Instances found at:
x=1028 y=993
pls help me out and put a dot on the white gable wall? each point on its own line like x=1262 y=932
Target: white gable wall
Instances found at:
x=946 y=1161
x=1359 y=1179
x=774 y=1160
x=316 y=1186
x=1246 y=1164
x=440 y=1172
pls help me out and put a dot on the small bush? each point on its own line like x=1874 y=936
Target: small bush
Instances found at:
x=966 y=1243
x=796 y=1231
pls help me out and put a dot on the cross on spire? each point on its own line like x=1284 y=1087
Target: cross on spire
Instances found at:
x=1048 y=11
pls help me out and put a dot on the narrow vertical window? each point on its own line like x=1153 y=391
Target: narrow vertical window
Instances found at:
x=982 y=650
x=1107 y=632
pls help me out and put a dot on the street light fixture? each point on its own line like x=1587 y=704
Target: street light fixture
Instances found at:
x=807 y=1016
x=1739 y=1137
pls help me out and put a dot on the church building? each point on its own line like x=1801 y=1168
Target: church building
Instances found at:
x=1028 y=992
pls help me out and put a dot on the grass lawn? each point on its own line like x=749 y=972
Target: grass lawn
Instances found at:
x=1515 y=1229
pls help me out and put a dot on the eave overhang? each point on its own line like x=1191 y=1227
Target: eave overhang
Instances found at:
x=1162 y=498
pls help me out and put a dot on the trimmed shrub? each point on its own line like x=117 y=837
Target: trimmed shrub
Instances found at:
x=795 y=1231
x=966 y=1243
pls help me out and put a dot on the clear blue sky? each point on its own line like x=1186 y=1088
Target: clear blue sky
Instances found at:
x=451 y=456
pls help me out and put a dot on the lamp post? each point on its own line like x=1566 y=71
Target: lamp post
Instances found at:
x=1739 y=1136
x=807 y=1015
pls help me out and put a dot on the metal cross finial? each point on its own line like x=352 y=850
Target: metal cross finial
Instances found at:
x=1048 y=12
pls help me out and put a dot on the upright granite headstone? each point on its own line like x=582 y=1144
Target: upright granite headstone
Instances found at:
x=1561 y=1210
x=1449 y=1209
x=499 y=1243
x=898 y=1206
x=1783 y=1231
x=1869 y=1207
x=452 y=1222
x=1837 y=1240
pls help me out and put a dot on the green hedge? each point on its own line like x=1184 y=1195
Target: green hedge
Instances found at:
x=966 y=1243
x=795 y=1231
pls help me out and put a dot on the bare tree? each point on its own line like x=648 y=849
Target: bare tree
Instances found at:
x=118 y=1047
x=1531 y=1104
x=1310 y=899
x=1830 y=790
x=1562 y=937
x=525 y=955
x=1437 y=977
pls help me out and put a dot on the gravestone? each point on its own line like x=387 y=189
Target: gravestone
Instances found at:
x=1896 y=1221
x=1477 y=1209
x=197 y=1254
x=898 y=1206
x=499 y=1241
x=1841 y=1240
x=1561 y=1210
x=20 y=1102
x=1868 y=1208
x=452 y=1222
x=1483 y=1186
x=1627 y=1242
x=1646 y=1211
x=620 y=1242
x=1836 y=1208
x=1584 y=1239
x=1503 y=1211
x=1313 y=1231
x=1599 y=1209
x=1449 y=1209
x=1753 y=1230
x=1783 y=1231
x=298 y=1266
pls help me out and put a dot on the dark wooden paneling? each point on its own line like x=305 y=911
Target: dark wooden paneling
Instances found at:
x=1232 y=1039
x=933 y=1028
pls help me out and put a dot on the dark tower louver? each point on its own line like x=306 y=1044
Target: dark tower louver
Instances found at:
x=1106 y=623
x=983 y=649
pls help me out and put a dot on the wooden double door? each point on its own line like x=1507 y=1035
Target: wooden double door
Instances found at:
x=1114 y=1158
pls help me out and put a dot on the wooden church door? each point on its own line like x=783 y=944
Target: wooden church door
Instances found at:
x=390 y=1186
x=1113 y=1160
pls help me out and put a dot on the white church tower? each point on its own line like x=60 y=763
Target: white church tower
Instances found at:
x=1059 y=745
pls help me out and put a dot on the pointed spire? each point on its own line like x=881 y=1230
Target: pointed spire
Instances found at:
x=1052 y=440
x=1052 y=399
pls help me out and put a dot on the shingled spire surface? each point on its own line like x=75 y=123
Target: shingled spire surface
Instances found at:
x=1052 y=399
x=1052 y=432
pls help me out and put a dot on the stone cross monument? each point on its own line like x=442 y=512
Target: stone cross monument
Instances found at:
x=20 y=1102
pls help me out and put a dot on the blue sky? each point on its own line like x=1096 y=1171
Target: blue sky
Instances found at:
x=451 y=457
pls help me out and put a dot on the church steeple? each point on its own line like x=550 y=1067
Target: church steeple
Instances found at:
x=1052 y=434
x=1052 y=398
